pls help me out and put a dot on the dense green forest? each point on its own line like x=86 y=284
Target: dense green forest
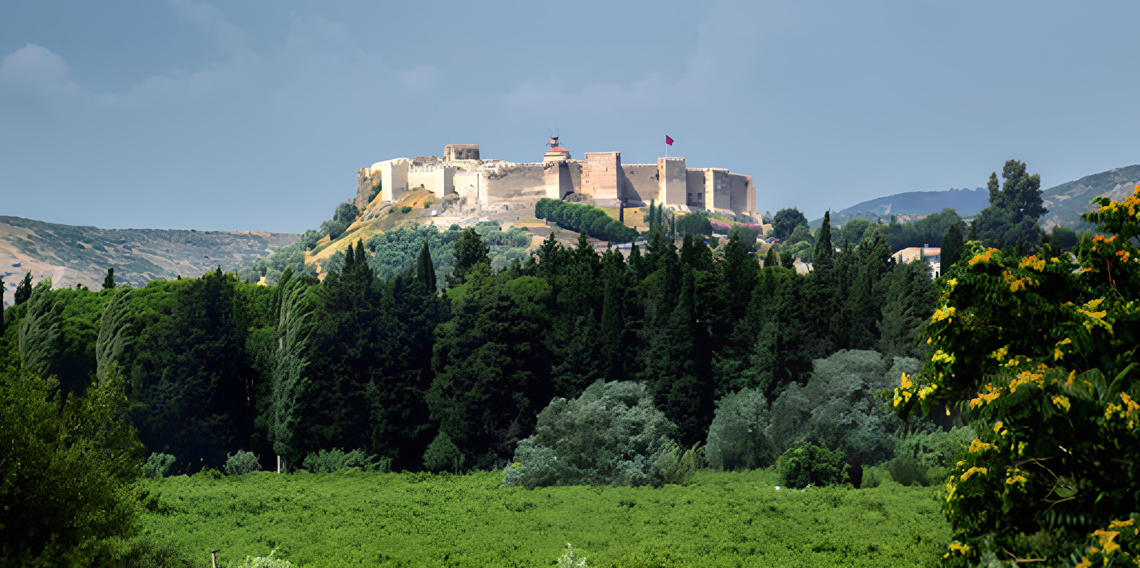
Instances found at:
x=216 y=365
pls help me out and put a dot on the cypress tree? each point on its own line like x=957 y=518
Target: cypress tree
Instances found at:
x=788 y=259
x=652 y=215
x=612 y=333
x=109 y=281
x=24 y=289
x=3 y=327
x=771 y=259
x=425 y=270
x=951 y=246
x=822 y=256
x=972 y=234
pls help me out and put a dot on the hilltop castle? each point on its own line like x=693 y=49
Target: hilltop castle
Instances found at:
x=601 y=178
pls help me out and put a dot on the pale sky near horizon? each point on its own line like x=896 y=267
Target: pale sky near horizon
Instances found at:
x=255 y=115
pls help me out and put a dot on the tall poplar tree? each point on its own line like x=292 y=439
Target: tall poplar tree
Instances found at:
x=109 y=280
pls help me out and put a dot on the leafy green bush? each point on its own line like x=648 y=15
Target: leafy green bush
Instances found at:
x=148 y=551
x=336 y=460
x=839 y=406
x=67 y=471
x=611 y=434
x=443 y=455
x=936 y=448
x=875 y=477
x=678 y=467
x=267 y=561
x=157 y=465
x=907 y=471
x=738 y=437
x=571 y=559
x=241 y=463
x=696 y=223
x=807 y=464
x=406 y=209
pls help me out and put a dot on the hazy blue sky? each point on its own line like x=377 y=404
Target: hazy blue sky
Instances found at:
x=255 y=114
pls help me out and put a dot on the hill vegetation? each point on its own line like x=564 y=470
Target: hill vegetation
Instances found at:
x=81 y=255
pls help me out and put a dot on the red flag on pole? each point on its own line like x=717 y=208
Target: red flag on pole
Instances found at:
x=668 y=140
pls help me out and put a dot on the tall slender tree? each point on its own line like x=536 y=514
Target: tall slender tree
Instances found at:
x=109 y=280
x=952 y=246
x=822 y=256
x=3 y=325
x=425 y=270
x=24 y=289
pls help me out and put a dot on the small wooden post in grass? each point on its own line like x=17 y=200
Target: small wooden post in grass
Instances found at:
x=278 y=464
x=214 y=558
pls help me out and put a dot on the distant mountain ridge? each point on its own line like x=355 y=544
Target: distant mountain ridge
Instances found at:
x=1066 y=202
x=967 y=202
x=73 y=255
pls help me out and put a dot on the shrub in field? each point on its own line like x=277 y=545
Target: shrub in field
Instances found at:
x=328 y=461
x=907 y=471
x=677 y=466
x=571 y=559
x=839 y=406
x=443 y=455
x=807 y=464
x=738 y=437
x=241 y=463
x=1040 y=352
x=874 y=477
x=611 y=434
x=157 y=465
x=265 y=562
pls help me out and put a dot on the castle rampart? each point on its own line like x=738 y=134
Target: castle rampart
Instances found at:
x=600 y=177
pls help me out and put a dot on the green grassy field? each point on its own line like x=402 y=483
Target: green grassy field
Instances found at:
x=369 y=519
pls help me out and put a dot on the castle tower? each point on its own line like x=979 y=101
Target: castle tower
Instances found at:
x=556 y=153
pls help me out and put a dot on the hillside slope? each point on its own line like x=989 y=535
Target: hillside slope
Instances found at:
x=1066 y=202
x=73 y=255
x=912 y=205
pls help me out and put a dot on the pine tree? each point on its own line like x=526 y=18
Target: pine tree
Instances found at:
x=3 y=325
x=109 y=280
x=788 y=259
x=24 y=289
x=972 y=234
x=469 y=251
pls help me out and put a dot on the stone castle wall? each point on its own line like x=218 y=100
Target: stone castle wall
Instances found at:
x=642 y=184
x=601 y=177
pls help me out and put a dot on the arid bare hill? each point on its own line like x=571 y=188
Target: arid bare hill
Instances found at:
x=1067 y=201
x=73 y=255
